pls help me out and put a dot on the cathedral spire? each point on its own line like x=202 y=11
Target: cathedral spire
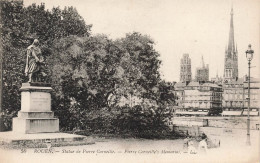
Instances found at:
x=231 y=43
x=231 y=54
x=202 y=62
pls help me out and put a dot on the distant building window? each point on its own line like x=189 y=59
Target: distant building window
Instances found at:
x=228 y=104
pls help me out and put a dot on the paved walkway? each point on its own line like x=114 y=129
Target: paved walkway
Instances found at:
x=233 y=144
x=232 y=149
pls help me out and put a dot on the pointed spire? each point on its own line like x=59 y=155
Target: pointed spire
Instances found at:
x=231 y=43
x=231 y=13
x=231 y=53
x=202 y=62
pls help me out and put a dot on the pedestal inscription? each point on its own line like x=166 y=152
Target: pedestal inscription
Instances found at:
x=36 y=101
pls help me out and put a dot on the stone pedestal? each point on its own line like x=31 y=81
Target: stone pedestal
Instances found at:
x=35 y=115
x=35 y=125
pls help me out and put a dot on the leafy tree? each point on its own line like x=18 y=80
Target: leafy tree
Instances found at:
x=19 y=26
x=89 y=70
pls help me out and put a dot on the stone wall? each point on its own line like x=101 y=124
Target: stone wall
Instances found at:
x=220 y=122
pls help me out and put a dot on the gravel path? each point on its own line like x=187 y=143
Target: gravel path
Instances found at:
x=232 y=149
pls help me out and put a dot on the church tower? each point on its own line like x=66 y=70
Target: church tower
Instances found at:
x=231 y=62
x=202 y=73
x=185 y=72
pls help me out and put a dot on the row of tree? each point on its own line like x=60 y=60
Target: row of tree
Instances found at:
x=90 y=74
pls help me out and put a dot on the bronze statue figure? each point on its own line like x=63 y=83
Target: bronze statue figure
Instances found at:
x=35 y=63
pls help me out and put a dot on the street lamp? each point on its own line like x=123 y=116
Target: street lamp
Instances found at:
x=249 y=56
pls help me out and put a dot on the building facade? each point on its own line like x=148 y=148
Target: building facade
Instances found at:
x=199 y=98
x=185 y=69
x=202 y=73
x=231 y=55
x=179 y=93
x=235 y=97
x=254 y=97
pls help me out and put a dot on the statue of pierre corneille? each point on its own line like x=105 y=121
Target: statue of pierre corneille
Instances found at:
x=35 y=63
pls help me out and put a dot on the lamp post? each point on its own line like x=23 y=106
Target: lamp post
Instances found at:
x=249 y=56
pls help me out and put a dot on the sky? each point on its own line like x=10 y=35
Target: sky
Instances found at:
x=198 y=28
